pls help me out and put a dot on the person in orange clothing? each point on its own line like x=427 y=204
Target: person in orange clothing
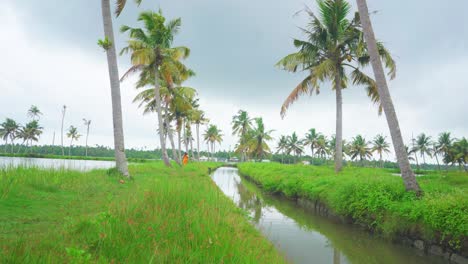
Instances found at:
x=185 y=159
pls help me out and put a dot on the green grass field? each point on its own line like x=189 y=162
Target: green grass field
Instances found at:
x=165 y=215
x=376 y=198
x=48 y=156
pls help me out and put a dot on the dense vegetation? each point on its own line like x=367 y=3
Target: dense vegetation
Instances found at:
x=165 y=216
x=376 y=198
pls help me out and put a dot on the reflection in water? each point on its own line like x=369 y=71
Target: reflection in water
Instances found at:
x=308 y=238
x=81 y=165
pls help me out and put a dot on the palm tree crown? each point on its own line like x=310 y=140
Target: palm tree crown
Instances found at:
x=359 y=147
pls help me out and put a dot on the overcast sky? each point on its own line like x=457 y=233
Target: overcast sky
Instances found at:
x=50 y=58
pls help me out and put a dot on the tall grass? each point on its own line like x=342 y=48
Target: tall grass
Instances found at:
x=377 y=199
x=164 y=216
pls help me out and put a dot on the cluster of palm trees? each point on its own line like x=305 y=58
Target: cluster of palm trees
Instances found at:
x=322 y=148
x=253 y=137
x=162 y=74
x=10 y=130
x=452 y=150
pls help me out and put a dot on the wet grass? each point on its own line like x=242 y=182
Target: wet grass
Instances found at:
x=377 y=199
x=165 y=215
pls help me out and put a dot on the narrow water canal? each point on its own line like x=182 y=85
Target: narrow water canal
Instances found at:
x=307 y=238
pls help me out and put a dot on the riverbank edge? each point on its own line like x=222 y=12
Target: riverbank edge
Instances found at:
x=430 y=248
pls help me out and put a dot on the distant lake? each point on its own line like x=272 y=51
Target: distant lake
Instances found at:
x=80 y=165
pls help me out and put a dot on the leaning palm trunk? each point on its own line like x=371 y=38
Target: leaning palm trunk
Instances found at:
x=438 y=164
x=191 y=149
x=174 y=151
x=339 y=123
x=157 y=96
x=119 y=146
x=407 y=174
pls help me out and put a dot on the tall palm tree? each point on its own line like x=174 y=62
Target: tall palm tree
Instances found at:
x=334 y=45
x=64 y=110
x=212 y=136
x=295 y=146
x=407 y=174
x=257 y=138
x=72 y=134
x=359 y=147
x=241 y=125
x=150 y=47
x=423 y=145
x=282 y=146
x=87 y=123
x=311 y=140
x=198 y=117
x=9 y=130
x=34 y=112
x=444 y=142
x=108 y=44
x=380 y=145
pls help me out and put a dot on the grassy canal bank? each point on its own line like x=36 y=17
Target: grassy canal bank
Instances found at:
x=165 y=215
x=377 y=199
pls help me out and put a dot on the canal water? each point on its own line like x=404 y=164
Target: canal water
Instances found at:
x=80 y=165
x=304 y=237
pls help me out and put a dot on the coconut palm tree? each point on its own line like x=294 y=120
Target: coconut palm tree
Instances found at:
x=423 y=145
x=458 y=153
x=34 y=112
x=9 y=130
x=30 y=132
x=73 y=135
x=256 y=140
x=322 y=147
x=380 y=145
x=444 y=142
x=87 y=123
x=311 y=140
x=295 y=146
x=407 y=174
x=64 y=110
x=108 y=44
x=332 y=147
x=282 y=147
x=241 y=125
x=212 y=136
x=334 y=46
x=198 y=117
x=151 y=47
x=359 y=147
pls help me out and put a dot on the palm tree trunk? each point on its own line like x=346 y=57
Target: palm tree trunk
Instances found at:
x=339 y=123
x=179 y=139
x=381 y=160
x=6 y=144
x=69 y=149
x=157 y=97
x=424 y=158
x=438 y=164
x=119 y=145
x=191 y=149
x=86 y=148
x=61 y=131
x=416 y=158
x=407 y=174
x=198 y=141
x=174 y=151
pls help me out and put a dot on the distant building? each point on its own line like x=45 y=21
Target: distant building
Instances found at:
x=266 y=161
x=306 y=162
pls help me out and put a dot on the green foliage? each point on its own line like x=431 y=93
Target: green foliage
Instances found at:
x=105 y=44
x=376 y=198
x=167 y=215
